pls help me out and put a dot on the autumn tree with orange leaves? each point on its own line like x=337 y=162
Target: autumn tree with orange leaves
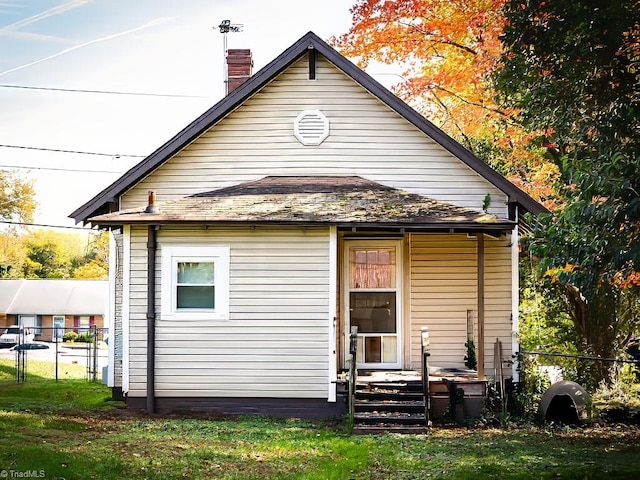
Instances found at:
x=448 y=50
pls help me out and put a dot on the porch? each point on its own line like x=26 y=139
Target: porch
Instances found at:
x=400 y=402
x=408 y=401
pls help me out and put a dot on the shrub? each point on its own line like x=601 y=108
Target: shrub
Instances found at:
x=86 y=337
x=70 y=337
x=619 y=399
x=470 y=359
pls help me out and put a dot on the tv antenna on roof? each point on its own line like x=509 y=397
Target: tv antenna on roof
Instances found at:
x=225 y=27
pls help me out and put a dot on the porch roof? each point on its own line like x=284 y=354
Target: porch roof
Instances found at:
x=341 y=201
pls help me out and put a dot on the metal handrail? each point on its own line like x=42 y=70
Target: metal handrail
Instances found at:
x=353 y=371
x=424 y=347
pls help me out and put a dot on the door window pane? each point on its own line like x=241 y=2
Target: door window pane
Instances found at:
x=373 y=312
x=389 y=349
x=372 y=268
x=372 y=353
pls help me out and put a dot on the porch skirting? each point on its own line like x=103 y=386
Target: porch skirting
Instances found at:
x=277 y=407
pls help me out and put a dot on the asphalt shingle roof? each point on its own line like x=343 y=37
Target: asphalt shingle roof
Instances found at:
x=306 y=200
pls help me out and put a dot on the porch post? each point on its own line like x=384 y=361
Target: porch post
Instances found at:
x=515 y=299
x=480 y=254
x=333 y=307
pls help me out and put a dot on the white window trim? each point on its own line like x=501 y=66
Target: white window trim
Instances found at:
x=171 y=255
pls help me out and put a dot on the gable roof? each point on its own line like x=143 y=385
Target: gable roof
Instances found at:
x=342 y=201
x=57 y=297
x=310 y=41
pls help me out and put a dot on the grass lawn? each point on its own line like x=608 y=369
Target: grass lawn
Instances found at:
x=73 y=430
x=41 y=370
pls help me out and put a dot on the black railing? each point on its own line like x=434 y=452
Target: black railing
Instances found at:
x=353 y=371
x=424 y=344
x=57 y=351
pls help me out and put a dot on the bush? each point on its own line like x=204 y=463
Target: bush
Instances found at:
x=70 y=337
x=470 y=359
x=86 y=337
x=525 y=396
x=619 y=399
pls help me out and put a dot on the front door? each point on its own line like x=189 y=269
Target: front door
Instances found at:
x=58 y=325
x=373 y=300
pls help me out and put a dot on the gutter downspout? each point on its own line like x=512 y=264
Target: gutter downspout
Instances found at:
x=151 y=318
x=151 y=308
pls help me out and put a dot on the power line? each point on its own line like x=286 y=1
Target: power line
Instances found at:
x=43 y=149
x=25 y=224
x=103 y=92
x=60 y=169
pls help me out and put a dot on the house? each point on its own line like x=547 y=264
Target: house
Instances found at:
x=308 y=200
x=47 y=305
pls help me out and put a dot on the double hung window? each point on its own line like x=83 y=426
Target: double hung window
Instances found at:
x=195 y=282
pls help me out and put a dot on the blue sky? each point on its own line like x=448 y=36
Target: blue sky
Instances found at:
x=165 y=47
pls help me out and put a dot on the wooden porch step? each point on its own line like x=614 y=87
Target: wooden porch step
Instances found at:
x=387 y=428
x=405 y=386
x=370 y=395
x=388 y=418
x=389 y=406
x=410 y=406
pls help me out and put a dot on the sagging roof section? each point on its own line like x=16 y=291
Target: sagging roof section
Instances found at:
x=310 y=41
x=307 y=201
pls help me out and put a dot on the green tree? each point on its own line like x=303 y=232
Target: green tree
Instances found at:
x=572 y=69
x=95 y=262
x=51 y=254
x=11 y=253
x=44 y=260
x=17 y=197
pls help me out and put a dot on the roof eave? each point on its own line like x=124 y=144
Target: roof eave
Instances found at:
x=502 y=225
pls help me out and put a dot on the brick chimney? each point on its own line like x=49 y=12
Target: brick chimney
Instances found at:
x=239 y=65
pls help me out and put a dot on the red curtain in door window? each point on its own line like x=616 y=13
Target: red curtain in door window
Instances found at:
x=373 y=268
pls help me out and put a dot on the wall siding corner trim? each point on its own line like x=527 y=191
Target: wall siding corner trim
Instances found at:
x=126 y=301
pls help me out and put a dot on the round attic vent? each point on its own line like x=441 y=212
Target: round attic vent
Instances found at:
x=311 y=127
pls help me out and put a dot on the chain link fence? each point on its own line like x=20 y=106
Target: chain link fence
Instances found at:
x=44 y=354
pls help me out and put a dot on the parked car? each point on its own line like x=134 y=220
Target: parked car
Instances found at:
x=16 y=335
x=30 y=346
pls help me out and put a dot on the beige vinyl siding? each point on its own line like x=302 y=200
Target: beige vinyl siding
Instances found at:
x=498 y=301
x=275 y=341
x=138 y=312
x=366 y=138
x=444 y=286
x=115 y=332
